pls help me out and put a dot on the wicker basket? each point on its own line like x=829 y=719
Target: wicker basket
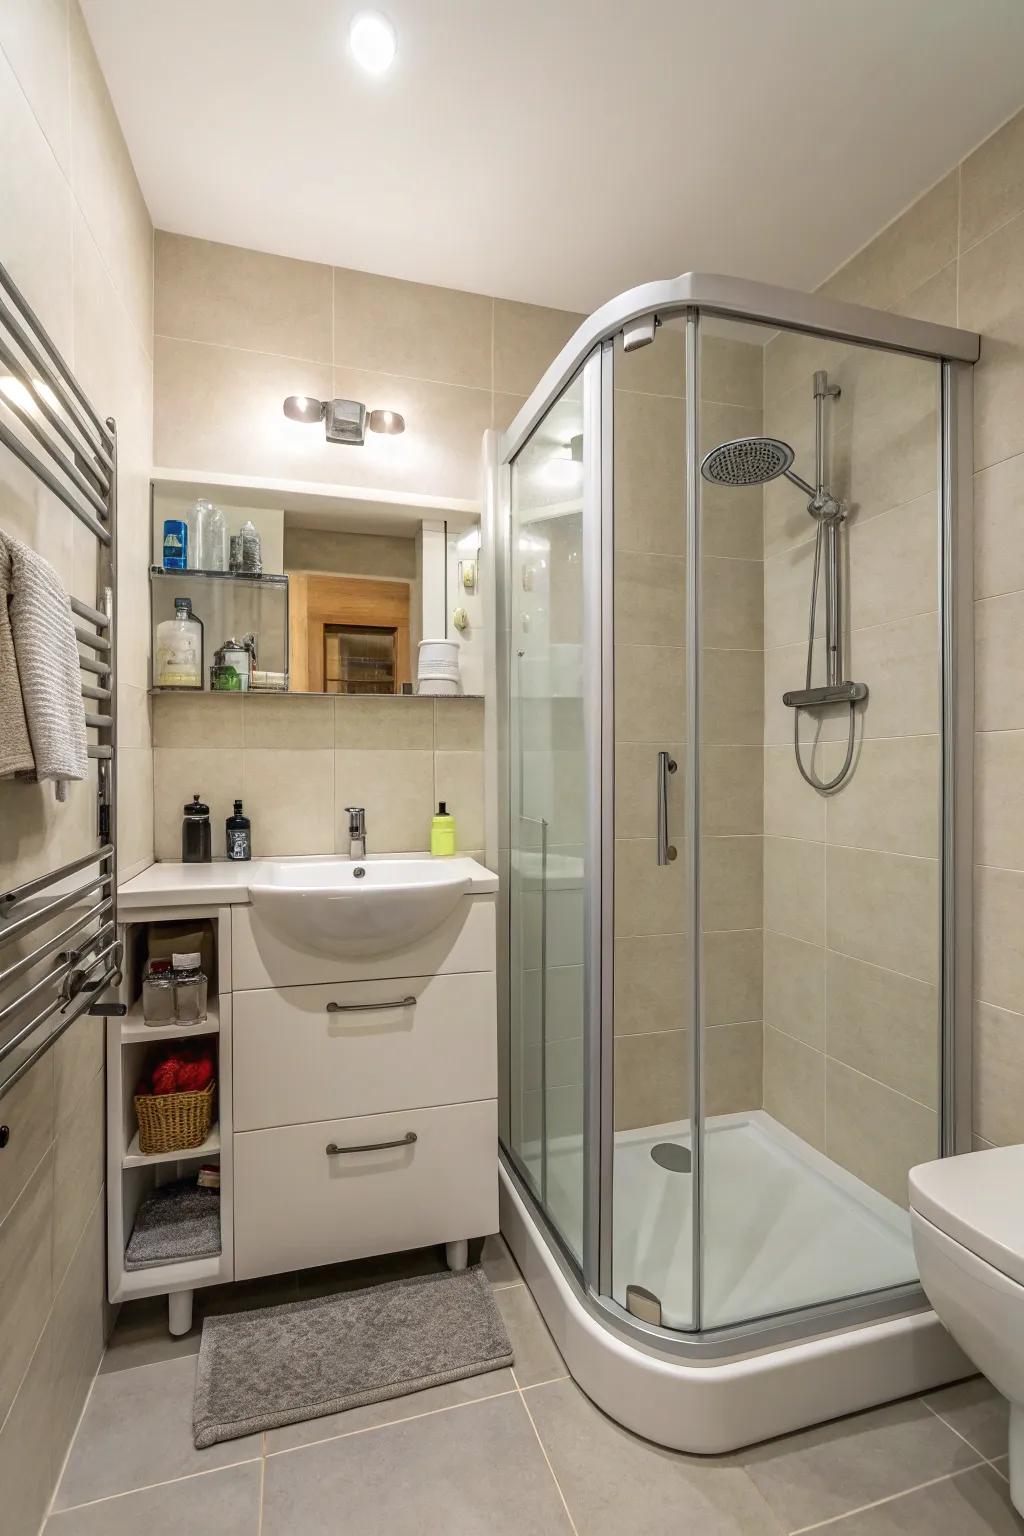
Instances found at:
x=174 y=1122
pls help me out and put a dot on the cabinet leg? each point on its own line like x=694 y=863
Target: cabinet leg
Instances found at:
x=179 y=1312
x=457 y=1253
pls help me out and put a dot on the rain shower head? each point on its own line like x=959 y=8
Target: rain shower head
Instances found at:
x=747 y=461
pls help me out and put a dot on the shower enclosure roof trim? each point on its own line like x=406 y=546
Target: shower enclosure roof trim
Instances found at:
x=738 y=299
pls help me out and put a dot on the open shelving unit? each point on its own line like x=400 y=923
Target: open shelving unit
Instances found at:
x=131 y=1174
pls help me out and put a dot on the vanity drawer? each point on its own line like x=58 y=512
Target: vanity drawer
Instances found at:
x=296 y=1205
x=361 y=1048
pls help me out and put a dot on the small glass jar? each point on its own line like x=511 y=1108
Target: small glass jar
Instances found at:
x=190 y=988
x=158 y=1001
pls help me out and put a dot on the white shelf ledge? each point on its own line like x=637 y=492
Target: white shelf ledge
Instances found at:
x=133 y=1158
x=135 y=1028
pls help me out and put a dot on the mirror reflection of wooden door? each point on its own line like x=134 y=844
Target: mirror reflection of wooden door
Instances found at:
x=348 y=634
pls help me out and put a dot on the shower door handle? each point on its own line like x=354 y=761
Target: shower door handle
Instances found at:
x=666 y=765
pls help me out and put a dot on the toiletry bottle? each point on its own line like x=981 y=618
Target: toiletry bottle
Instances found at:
x=196 y=842
x=442 y=833
x=179 y=649
x=252 y=552
x=175 y=552
x=239 y=834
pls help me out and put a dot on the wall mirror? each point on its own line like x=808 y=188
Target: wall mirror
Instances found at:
x=311 y=594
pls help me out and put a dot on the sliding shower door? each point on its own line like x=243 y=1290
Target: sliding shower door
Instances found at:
x=552 y=491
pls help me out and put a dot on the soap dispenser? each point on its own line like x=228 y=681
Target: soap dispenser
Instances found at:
x=442 y=833
x=196 y=839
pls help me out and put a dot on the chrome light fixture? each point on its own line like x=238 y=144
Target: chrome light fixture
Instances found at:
x=345 y=421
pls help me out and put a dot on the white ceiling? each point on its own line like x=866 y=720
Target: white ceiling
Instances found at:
x=556 y=151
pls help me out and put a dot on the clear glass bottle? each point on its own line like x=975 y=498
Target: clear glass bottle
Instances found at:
x=190 y=988
x=252 y=551
x=211 y=537
x=179 y=649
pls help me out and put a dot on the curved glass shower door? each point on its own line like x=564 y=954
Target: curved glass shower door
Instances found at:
x=551 y=487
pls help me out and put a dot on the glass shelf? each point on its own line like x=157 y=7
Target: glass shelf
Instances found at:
x=265 y=578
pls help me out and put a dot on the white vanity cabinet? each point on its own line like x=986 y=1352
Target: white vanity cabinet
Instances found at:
x=357 y=1092
x=364 y=1102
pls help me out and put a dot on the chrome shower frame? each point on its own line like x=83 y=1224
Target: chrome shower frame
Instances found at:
x=692 y=297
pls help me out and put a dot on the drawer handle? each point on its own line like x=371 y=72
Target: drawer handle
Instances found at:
x=399 y=1002
x=333 y=1150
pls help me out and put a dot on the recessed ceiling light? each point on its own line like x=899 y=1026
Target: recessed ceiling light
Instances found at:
x=373 y=42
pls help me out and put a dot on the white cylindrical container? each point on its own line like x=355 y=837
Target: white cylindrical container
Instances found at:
x=438 y=659
x=437 y=687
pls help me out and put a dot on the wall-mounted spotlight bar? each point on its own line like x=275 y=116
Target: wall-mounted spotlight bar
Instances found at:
x=345 y=421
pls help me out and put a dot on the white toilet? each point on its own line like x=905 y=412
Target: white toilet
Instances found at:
x=967 y=1217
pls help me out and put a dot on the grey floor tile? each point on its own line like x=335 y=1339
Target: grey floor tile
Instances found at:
x=614 y=1482
x=536 y=1358
x=499 y=1265
x=408 y=1406
x=970 y=1504
x=136 y=1431
x=329 y=1278
x=476 y=1470
x=227 y=1502
x=977 y=1411
x=838 y=1467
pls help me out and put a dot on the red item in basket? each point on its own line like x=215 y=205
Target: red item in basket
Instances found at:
x=184 y=1069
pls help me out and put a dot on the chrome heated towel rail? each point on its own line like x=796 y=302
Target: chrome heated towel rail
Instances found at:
x=59 y=950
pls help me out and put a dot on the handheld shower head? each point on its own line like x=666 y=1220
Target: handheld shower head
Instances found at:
x=747 y=461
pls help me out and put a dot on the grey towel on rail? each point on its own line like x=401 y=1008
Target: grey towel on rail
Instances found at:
x=15 y=747
x=46 y=653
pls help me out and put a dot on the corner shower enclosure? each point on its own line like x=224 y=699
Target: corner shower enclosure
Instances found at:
x=734 y=980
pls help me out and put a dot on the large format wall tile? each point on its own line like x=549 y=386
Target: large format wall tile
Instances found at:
x=999 y=798
x=885 y=1025
x=998 y=952
x=882 y=908
x=527 y=337
x=902 y=1132
x=910 y=249
x=891 y=799
x=992 y=302
x=999 y=680
x=413 y=329
x=794 y=1086
x=794 y=888
x=998 y=518
x=651 y=983
x=396 y=789
x=794 y=988
x=992 y=183
x=998 y=1069
x=26 y=1276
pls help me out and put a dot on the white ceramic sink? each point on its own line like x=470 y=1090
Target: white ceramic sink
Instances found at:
x=361 y=906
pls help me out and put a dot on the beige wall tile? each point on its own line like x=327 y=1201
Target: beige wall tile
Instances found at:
x=992 y=183
x=731 y=516
x=396 y=790
x=26 y=1275
x=999 y=798
x=302 y=724
x=505 y=409
x=34 y=36
x=650 y=475
x=413 y=329
x=733 y=697
x=77 y=1058
x=935 y=300
x=459 y=725
x=395 y=724
x=657 y=369
x=731 y=370
x=77 y=1174
x=732 y=1068
x=884 y=432
x=733 y=593
x=349 y=554
x=215 y=774
x=29 y=1109
x=891 y=799
x=649 y=898
x=791 y=807
x=732 y=791
x=651 y=1079
x=902 y=1132
x=77 y=1325
x=992 y=302
x=732 y=976
x=998 y=519
x=650 y=984
x=135 y=810
x=527 y=337
x=882 y=908
x=30 y=1457
x=998 y=680
x=794 y=1086
x=289 y=798
x=785 y=667
x=900 y=664
x=235 y=297
x=731 y=878
x=894 y=565
x=886 y=1026
x=459 y=782
x=650 y=696
x=794 y=888
x=916 y=244
x=998 y=1075
x=650 y=599
x=787 y=596
x=794 y=988
x=998 y=953
x=182 y=720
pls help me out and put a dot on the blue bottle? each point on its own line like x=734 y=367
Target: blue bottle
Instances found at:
x=175 y=544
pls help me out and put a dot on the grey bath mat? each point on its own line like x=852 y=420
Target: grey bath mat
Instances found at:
x=260 y=1370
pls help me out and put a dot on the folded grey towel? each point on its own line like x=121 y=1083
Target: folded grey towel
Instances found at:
x=15 y=747
x=177 y=1221
x=46 y=654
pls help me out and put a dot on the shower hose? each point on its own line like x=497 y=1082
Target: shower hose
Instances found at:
x=824 y=786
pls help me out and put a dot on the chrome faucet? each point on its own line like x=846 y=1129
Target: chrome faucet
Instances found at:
x=356 y=831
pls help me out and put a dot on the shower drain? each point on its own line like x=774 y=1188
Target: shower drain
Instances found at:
x=671 y=1156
